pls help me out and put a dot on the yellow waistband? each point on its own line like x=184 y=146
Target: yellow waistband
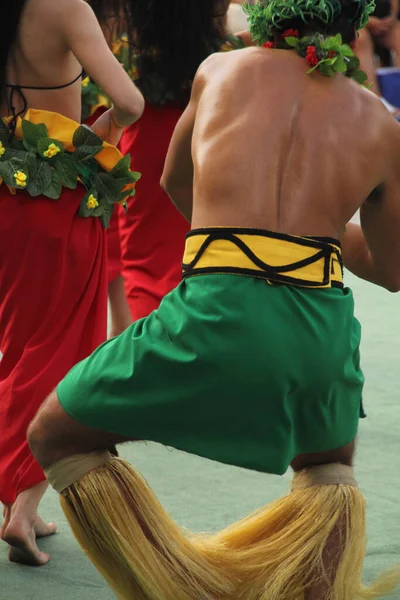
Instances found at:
x=310 y=262
x=62 y=129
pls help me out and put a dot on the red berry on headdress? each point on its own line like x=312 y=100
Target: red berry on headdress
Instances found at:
x=311 y=56
x=290 y=33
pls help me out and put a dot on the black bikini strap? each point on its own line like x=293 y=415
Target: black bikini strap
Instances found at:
x=13 y=123
x=18 y=89
x=56 y=87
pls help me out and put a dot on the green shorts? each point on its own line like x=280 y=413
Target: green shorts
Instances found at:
x=230 y=368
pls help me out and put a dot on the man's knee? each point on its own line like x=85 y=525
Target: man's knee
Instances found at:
x=54 y=435
x=42 y=432
x=342 y=455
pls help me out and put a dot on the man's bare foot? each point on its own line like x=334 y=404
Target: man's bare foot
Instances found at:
x=43 y=529
x=21 y=537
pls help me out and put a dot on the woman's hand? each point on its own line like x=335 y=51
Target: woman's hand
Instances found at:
x=106 y=128
x=379 y=27
x=388 y=22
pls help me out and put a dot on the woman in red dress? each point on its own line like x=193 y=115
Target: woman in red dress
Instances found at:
x=53 y=268
x=168 y=42
x=94 y=104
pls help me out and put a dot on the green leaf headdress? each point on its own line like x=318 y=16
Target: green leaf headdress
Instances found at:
x=270 y=16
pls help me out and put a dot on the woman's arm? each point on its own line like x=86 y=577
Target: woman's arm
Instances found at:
x=85 y=38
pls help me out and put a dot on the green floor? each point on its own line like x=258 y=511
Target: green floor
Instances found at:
x=204 y=495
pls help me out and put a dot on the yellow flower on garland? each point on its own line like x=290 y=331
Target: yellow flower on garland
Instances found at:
x=51 y=151
x=133 y=73
x=2 y=149
x=227 y=47
x=92 y=202
x=21 y=179
x=85 y=82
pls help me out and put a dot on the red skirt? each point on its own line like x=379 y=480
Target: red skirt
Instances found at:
x=113 y=235
x=53 y=313
x=153 y=231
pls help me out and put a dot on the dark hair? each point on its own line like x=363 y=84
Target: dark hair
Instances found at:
x=340 y=25
x=327 y=17
x=169 y=38
x=345 y=23
x=8 y=37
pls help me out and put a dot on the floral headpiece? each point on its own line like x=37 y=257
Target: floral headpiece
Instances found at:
x=271 y=16
x=327 y=54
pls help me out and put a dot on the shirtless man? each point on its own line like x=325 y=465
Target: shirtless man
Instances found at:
x=269 y=164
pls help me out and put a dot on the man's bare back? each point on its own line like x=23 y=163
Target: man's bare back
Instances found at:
x=278 y=149
x=264 y=144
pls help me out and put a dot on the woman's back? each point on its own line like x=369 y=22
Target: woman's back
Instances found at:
x=48 y=47
x=41 y=58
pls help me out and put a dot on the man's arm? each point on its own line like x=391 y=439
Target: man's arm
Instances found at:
x=357 y=257
x=372 y=251
x=177 y=178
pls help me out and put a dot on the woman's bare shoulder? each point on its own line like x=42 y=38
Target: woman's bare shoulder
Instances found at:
x=58 y=13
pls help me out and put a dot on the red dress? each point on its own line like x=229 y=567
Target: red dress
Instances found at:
x=153 y=231
x=53 y=313
x=113 y=235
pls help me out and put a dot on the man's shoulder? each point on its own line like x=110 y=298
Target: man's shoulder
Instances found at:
x=224 y=64
x=377 y=124
x=375 y=109
x=240 y=56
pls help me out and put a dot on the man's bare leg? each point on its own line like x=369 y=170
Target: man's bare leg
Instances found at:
x=54 y=435
x=121 y=316
x=321 y=589
x=22 y=526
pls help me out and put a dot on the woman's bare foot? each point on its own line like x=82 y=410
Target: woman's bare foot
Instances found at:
x=43 y=529
x=23 y=525
x=21 y=537
x=6 y=515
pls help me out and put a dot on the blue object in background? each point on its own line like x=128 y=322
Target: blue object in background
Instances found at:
x=389 y=82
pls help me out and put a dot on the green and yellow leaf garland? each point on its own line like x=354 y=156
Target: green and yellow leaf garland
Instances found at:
x=41 y=165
